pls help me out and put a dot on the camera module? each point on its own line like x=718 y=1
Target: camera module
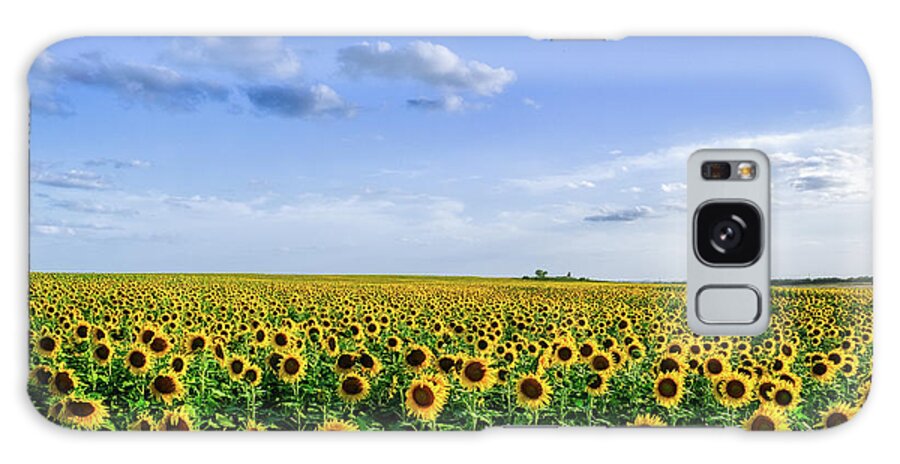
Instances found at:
x=728 y=233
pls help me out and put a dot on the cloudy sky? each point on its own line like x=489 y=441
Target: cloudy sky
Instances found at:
x=436 y=155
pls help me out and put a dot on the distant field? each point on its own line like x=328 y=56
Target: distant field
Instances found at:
x=220 y=351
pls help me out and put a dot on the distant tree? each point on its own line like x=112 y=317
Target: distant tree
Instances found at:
x=569 y=274
x=541 y=274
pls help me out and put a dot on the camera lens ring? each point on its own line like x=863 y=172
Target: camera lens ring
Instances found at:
x=744 y=245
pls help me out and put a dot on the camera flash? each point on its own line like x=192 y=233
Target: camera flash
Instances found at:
x=746 y=170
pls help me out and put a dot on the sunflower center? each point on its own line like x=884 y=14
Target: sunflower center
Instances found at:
x=564 y=353
x=102 y=352
x=762 y=423
x=586 y=350
x=43 y=376
x=367 y=361
x=445 y=364
x=82 y=331
x=197 y=344
x=178 y=364
x=164 y=384
x=600 y=363
x=667 y=388
x=291 y=366
x=281 y=339
x=345 y=361
x=352 y=386
x=735 y=389
x=147 y=335
x=766 y=388
x=835 y=418
x=820 y=369
x=668 y=365
x=415 y=357
x=532 y=388
x=237 y=366
x=714 y=366
x=596 y=382
x=137 y=359
x=783 y=397
x=80 y=409
x=159 y=344
x=64 y=382
x=475 y=371
x=423 y=396
x=250 y=376
x=47 y=344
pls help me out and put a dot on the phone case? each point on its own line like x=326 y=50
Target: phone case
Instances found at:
x=435 y=233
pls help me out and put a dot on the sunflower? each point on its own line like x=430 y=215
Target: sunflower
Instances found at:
x=159 y=346
x=101 y=353
x=82 y=331
x=393 y=344
x=143 y=423
x=83 y=413
x=425 y=400
x=166 y=387
x=476 y=374
x=195 y=343
x=601 y=362
x=784 y=395
x=714 y=366
x=446 y=363
x=337 y=426
x=47 y=345
x=146 y=333
x=836 y=415
x=670 y=363
x=54 y=412
x=178 y=420
x=587 y=349
x=280 y=340
x=822 y=370
x=41 y=375
x=236 y=365
x=564 y=354
x=99 y=335
x=252 y=375
x=418 y=358
x=767 y=418
x=353 y=388
x=63 y=382
x=330 y=344
x=597 y=384
x=178 y=364
x=668 y=389
x=647 y=420
x=253 y=426
x=734 y=389
x=532 y=392
x=370 y=364
x=344 y=363
x=292 y=368
x=137 y=360
x=765 y=387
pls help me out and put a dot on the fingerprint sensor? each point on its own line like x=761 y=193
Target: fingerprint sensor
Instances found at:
x=728 y=304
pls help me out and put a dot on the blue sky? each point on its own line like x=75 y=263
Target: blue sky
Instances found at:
x=475 y=156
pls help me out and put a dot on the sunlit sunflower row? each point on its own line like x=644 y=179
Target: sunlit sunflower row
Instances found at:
x=255 y=352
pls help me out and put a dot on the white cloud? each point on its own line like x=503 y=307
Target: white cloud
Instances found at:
x=247 y=57
x=673 y=187
x=73 y=179
x=427 y=62
x=531 y=103
x=450 y=104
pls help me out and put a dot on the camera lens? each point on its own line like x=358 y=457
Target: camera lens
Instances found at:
x=728 y=233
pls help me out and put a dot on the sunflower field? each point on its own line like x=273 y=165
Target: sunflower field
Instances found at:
x=261 y=352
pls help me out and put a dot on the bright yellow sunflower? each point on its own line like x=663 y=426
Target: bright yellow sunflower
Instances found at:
x=532 y=392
